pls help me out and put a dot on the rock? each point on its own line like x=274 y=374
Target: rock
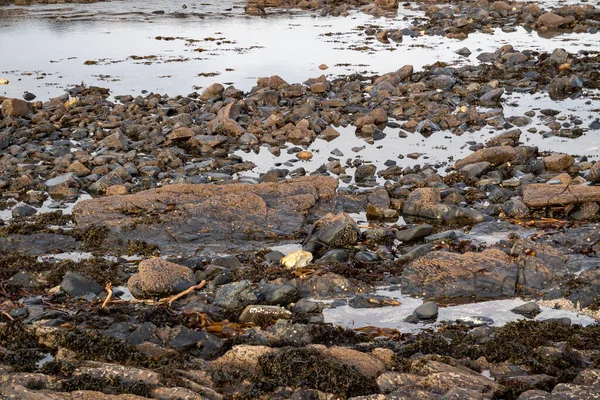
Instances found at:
x=585 y=211
x=208 y=140
x=493 y=155
x=297 y=259
x=304 y=155
x=214 y=90
x=235 y=295
x=328 y=285
x=260 y=314
x=4 y=81
x=490 y=274
x=529 y=310
x=426 y=311
x=425 y=202
x=333 y=256
x=181 y=134
x=226 y=216
x=77 y=285
x=372 y=301
x=594 y=174
x=116 y=141
x=126 y=374
x=23 y=210
x=439 y=378
x=241 y=359
x=278 y=294
x=550 y=20
x=367 y=364
x=78 y=169
x=414 y=233
x=465 y=52
x=515 y=208
x=63 y=185
x=334 y=231
x=543 y=195
x=491 y=97
x=160 y=278
x=364 y=173
x=329 y=134
x=29 y=96
x=558 y=162
x=15 y=108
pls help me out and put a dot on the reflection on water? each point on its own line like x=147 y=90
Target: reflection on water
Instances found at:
x=45 y=49
x=393 y=317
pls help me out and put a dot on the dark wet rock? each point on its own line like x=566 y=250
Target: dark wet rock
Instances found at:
x=333 y=256
x=515 y=208
x=235 y=295
x=23 y=210
x=366 y=256
x=159 y=278
x=490 y=273
x=364 y=173
x=187 y=216
x=529 y=310
x=116 y=141
x=543 y=195
x=426 y=311
x=306 y=306
x=585 y=211
x=587 y=288
x=414 y=233
x=75 y=284
x=27 y=96
x=38 y=243
x=277 y=294
x=230 y=262
x=425 y=202
x=508 y=138
x=491 y=97
x=476 y=169
x=334 y=231
x=258 y=314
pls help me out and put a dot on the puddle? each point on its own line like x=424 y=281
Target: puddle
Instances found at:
x=287 y=248
x=47 y=206
x=126 y=296
x=47 y=358
x=75 y=256
x=393 y=317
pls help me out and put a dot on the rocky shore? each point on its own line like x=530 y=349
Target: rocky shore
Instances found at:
x=140 y=257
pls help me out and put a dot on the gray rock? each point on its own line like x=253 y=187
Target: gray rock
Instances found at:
x=277 y=294
x=334 y=231
x=235 y=295
x=332 y=257
x=75 y=284
x=427 y=310
x=529 y=310
x=414 y=233
x=515 y=208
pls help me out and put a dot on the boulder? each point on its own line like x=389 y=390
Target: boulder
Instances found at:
x=543 y=195
x=334 y=231
x=159 y=278
x=186 y=217
x=15 y=108
x=488 y=274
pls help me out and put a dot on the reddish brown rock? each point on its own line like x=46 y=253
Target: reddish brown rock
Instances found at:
x=185 y=217
x=15 y=108
x=493 y=155
x=543 y=195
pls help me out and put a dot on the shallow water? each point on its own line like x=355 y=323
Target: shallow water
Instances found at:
x=237 y=47
x=393 y=317
x=47 y=206
x=441 y=146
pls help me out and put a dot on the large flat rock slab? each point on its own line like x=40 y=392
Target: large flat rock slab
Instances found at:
x=191 y=217
x=543 y=195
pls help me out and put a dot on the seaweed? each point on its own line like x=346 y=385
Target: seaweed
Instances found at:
x=113 y=385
